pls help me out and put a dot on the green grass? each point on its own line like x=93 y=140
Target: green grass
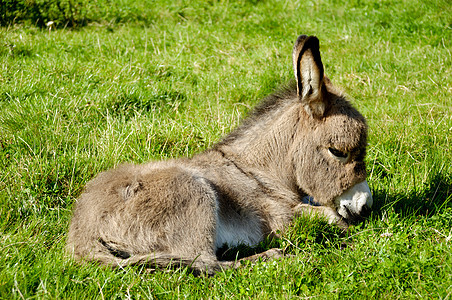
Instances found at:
x=155 y=81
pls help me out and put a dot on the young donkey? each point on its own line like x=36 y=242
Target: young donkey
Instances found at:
x=304 y=142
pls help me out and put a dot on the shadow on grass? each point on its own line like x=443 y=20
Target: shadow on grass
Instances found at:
x=425 y=201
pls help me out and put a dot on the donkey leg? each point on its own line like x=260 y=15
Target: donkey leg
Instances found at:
x=322 y=211
x=269 y=255
x=189 y=225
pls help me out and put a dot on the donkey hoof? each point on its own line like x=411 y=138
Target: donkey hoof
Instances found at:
x=273 y=253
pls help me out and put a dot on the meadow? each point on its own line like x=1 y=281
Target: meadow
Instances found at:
x=133 y=81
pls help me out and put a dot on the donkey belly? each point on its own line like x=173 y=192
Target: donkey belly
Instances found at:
x=235 y=229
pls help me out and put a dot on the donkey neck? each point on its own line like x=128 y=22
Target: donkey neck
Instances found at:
x=264 y=141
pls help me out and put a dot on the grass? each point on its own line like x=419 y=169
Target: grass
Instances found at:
x=157 y=81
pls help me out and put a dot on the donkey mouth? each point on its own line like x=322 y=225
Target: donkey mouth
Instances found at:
x=355 y=204
x=353 y=218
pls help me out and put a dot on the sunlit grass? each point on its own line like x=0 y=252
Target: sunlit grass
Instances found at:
x=145 y=82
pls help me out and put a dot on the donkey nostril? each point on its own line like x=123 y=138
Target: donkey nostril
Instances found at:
x=365 y=211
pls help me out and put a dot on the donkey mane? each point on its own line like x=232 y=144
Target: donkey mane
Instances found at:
x=266 y=106
x=275 y=100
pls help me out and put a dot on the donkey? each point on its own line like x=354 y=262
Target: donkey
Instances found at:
x=301 y=151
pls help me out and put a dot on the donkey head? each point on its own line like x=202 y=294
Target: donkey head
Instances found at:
x=333 y=136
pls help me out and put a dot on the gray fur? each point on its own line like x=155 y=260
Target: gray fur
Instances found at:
x=248 y=186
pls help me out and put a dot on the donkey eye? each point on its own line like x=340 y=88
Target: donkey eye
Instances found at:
x=342 y=156
x=337 y=153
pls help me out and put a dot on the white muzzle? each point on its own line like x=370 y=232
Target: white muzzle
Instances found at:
x=355 y=202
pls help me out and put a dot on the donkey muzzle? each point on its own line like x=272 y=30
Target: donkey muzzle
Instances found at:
x=355 y=203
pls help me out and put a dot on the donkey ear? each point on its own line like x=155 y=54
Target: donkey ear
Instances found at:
x=308 y=69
